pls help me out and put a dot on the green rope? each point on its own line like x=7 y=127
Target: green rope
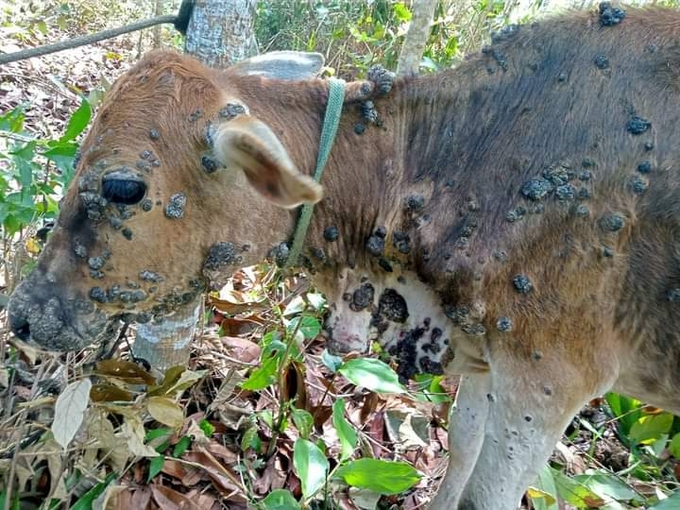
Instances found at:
x=331 y=121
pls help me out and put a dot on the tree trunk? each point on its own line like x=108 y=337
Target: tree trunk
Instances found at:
x=220 y=32
x=168 y=343
x=416 y=37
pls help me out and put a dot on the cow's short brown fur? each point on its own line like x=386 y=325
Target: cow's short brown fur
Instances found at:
x=540 y=304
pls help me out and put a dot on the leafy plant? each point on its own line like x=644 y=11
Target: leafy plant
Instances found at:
x=353 y=35
x=283 y=353
x=34 y=172
x=650 y=436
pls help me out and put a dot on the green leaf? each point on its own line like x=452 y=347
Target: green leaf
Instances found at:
x=86 y=500
x=649 y=428
x=181 y=446
x=575 y=493
x=267 y=417
x=546 y=497
x=541 y=499
x=251 y=439
x=15 y=505
x=432 y=390
x=671 y=503
x=310 y=465
x=607 y=486
x=159 y=439
x=160 y=432
x=12 y=224
x=626 y=410
x=207 y=427
x=310 y=326
x=280 y=499
x=78 y=121
x=303 y=420
x=271 y=337
x=155 y=467
x=262 y=377
x=381 y=476
x=13 y=120
x=273 y=349
x=332 y=361
x=23 y=161
x=62 y=154
x=674 y=446
x=346 y=433
x=451 y=47
x=372 y=374
x=402 y=13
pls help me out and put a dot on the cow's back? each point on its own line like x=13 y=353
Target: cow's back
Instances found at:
x=550 y=161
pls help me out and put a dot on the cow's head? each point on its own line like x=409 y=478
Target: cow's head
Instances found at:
x=168 y=188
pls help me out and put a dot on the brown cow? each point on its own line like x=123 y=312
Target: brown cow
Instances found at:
x=515 y=220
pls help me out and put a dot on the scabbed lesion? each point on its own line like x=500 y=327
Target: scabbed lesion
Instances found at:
x=393 y=312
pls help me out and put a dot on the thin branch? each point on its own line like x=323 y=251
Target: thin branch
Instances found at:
x=85 y=39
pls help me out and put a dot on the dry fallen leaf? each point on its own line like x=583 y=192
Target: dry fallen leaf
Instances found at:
x=69 y=411
x=273 y=477
x=134 y=434
x=169 y=499
x=126 y=371
x=241 y=349
x=166 y=411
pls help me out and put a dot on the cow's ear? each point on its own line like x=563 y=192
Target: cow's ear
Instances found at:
x=284 y=65
x=249 y=144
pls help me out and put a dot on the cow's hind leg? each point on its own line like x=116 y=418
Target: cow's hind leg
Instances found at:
x=506 y=426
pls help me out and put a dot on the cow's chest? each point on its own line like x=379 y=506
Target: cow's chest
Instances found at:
x=399 y=313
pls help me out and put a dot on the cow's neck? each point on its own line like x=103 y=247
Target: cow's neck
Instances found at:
x=405 y=177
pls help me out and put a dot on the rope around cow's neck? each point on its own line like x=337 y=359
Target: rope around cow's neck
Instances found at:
x=331 y=121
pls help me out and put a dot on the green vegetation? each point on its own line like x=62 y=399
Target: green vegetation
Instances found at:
x=356 y=35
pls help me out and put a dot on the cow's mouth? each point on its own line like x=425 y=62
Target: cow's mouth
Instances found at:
x=53 y=323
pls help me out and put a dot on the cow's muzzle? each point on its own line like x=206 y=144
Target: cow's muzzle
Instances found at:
x=38 y=315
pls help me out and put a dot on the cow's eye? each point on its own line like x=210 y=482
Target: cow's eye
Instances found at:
x=123 y=189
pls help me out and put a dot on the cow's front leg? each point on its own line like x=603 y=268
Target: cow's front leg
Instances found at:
x=530 y=404
x=467 y=423
x=507 y=422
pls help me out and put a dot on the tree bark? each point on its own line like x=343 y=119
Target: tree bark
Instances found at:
x=168 y=343
x=220 y=32
x=416 y=37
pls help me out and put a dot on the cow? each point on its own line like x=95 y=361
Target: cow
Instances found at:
x=515 y=220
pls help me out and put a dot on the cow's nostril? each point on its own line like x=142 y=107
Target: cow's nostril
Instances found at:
x=21 y=329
